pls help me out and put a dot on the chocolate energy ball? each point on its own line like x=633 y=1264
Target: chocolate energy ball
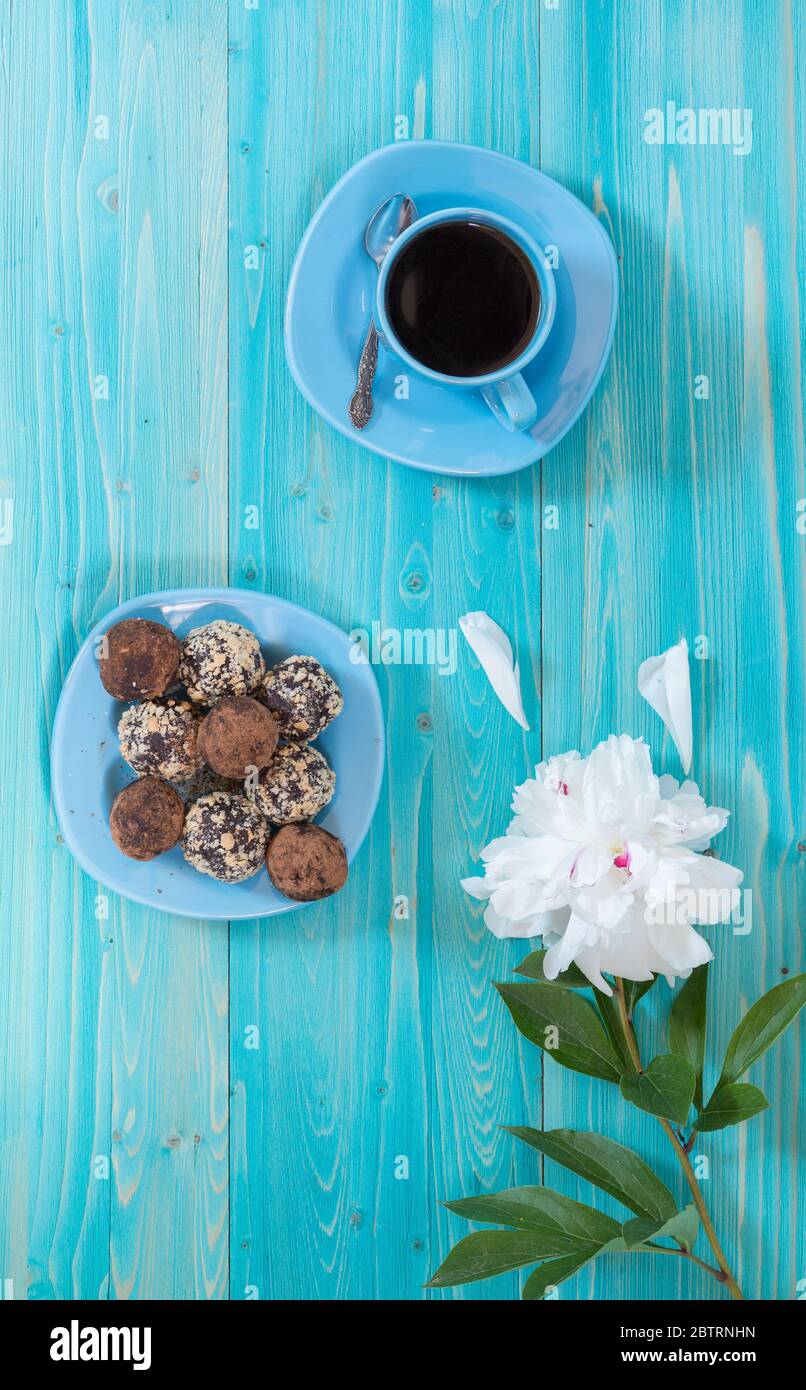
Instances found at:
x=159 y=737
x=146 y=818
x=220 y=659
x=295 y=786
x=237 y=735
x=302 y=697
x=138 y=659
x=225 y=837
x=305 y=862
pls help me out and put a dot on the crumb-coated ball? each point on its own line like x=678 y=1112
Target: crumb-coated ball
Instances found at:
x=138 y=659
x=302 y=697
x=159 y=737
x=146 y=818
x=225 y=837
x=237 y=735
x=220 y=659
x=295 y=786
x=306 y=862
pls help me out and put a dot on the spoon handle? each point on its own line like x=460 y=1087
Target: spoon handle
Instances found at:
x=360 y=408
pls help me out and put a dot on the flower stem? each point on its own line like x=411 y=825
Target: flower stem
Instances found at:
x=723 y=1274
x=629 y=1034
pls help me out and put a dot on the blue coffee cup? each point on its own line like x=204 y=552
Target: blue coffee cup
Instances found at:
x=504 y=389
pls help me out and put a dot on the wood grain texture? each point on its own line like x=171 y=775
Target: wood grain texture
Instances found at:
x=678 y=517
x=169 y=1233
x=381 y=1047
x=275 y=1111
x=115 y=1147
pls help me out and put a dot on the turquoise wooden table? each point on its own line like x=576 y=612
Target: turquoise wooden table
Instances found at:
x=275 y=1110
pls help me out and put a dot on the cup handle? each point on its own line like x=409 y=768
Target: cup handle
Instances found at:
x=511 y=402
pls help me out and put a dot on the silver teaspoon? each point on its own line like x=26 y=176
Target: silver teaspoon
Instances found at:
x=383 y=229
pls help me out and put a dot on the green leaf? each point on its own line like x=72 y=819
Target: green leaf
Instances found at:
x=572 y=978
x=666 y=1088
x=682 y=1227
x=635 y=990
x=553 y=1272
x=731 y=1104
x=485 y=1254
x=581 y=1042
x=607 y=1165
x=687 y=1025
x=759 y=1028
x=560 y=1224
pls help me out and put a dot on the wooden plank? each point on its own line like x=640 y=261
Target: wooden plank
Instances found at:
x=486 y=547
x=677 y=517
x=382 y=1050
x=113 y=419
x=170 y=1232
x=54 y=953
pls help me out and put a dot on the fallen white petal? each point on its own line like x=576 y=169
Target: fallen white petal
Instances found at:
x=665 y=683
x=494 y=651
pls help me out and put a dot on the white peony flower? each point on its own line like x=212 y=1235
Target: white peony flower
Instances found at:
x=603 y=860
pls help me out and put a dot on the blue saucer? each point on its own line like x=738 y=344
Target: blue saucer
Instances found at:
x=331 y=295
x=87 y=770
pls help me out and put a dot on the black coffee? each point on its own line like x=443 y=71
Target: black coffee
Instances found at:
x=463 y=298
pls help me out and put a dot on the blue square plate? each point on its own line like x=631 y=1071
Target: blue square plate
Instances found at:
x=87 y=770
x=419 y=422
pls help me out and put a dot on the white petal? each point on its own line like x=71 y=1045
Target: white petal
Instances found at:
x=479 y=888
x=685 y=816
x=516 y=899
x=679 y=947
x=628 y=954
x=560 y=955
x=589 y=962
x=605 y=904
x=590 y=865
x=714 y=886
x=494 y=651
x=665 y=683
x=554 y=772
x=521 y=856
x=504 y=927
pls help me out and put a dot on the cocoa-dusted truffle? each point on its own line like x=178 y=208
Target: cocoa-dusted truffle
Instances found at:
x=146 y=818
x=220 y=659
x=302 y=697
x=237 y=735
x=305 y=862
x=225 y=837
x=138 y=659
x=295 y=786
x=159 y=737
